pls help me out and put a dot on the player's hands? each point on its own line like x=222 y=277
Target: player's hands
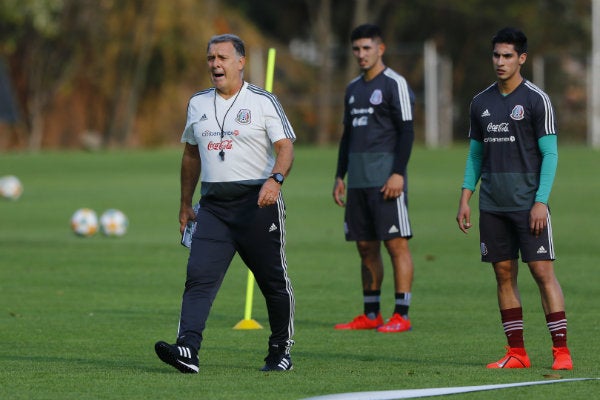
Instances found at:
x=269 y=193
x=393 y=187
x=538 y=218
x=186 y=214
x=339 y=192
x=463 y=217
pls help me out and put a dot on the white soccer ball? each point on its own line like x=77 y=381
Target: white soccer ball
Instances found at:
x=113 y=222
x=84 y=222
x=10 y=187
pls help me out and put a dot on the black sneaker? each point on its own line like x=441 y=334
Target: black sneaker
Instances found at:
x=181 y=357
x=278 y=359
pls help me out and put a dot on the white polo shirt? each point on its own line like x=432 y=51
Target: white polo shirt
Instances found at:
x=243 y=128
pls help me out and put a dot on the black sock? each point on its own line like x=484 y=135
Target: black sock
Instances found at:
x=371 y=303
x=402 y=304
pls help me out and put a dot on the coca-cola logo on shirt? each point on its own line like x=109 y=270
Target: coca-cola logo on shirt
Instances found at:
x=226 y=144
x=496 y=128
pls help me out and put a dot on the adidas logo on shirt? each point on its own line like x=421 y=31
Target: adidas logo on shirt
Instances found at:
x=542 y=250
x=203 y=117
x=272 y=228
x=486 y=113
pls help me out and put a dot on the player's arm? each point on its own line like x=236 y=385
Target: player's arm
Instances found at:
x=404 y=144
x=471 y=177
x=190 y=173
x=402 y=111
x=339 y=187
x=538 y=218
x=463 y=216
x=394 y=186
x=284 y=150
x=473 y=165
x=548 y=146
x=281 y=134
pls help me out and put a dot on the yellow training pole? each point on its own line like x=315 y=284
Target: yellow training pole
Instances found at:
x=248 y=322
x=270 y=70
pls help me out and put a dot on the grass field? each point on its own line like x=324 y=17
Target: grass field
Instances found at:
x=79 y=316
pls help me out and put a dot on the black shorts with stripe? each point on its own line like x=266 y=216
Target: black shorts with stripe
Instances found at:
x=504 y=234
x=369 y=217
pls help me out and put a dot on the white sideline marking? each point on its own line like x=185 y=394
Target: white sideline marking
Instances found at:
x=415 y=393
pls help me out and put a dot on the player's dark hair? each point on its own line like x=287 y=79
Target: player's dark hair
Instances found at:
x=511 y=36
x=366 y=31
x=237 y=43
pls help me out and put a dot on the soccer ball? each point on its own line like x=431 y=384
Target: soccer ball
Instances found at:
x=84 y=222
x=113 y=222
x=10 y=187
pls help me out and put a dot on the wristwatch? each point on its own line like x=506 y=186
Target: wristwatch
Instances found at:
x=277 y=177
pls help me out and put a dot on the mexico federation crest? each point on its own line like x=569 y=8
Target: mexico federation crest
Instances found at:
x=517 y=113
x=484 y=249
x=376 y=97
x=243 y=116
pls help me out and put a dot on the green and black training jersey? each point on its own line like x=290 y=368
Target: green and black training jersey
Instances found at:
x=378 y=130
x=509 y=127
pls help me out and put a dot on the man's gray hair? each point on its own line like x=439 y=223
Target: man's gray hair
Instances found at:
x=237 y=43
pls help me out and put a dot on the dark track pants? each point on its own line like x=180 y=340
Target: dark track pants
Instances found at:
x=258 y=236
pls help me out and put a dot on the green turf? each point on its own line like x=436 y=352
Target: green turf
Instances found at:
x=79 y=316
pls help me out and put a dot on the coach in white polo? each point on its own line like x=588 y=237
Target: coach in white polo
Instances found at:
x=239 y=144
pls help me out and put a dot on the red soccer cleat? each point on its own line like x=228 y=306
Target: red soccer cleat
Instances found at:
x=562 y=358
x=362 y=322
x=515 y=357
x=395 y=324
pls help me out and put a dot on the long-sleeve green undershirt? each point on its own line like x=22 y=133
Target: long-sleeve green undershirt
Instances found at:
x=473 y=168
x=549 y=148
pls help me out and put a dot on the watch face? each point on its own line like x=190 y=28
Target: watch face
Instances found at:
x=278 y=178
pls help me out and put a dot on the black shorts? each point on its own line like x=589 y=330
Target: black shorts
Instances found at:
x=369 y=217
x=504 y=234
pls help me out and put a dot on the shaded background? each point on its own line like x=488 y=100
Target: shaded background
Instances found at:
x=107 y=73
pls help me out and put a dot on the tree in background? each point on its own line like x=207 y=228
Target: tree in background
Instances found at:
x=87 y=63
x=40 y=38
x=461 y=30
x=125 y=69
